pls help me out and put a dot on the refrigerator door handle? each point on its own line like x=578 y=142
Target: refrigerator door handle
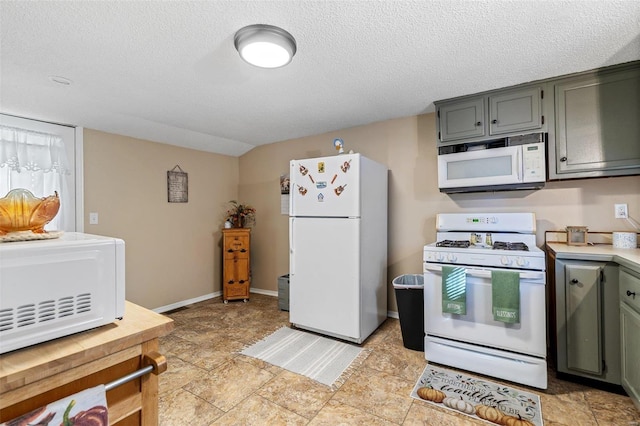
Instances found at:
x=292 y=186
x=486 y=273
x=291 y=248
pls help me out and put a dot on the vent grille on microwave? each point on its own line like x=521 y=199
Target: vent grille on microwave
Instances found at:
x=47 y=310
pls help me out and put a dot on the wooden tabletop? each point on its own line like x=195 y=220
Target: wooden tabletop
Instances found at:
x=28 y=365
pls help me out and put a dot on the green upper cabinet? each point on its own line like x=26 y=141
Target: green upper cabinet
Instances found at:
x=597 y=124
x=491 y=115
x=462 y=119
x=515 y=111
x=592 y=120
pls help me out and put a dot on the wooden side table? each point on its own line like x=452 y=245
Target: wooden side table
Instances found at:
x=236 y=275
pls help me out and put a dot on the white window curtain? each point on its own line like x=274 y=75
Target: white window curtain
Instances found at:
x=35 y=161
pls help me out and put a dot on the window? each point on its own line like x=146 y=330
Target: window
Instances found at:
x=43 y=158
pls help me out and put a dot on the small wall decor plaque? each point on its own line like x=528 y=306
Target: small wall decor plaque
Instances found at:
x=177 y=186
x=284 y=184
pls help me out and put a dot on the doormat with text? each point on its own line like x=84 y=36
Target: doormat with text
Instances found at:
x=491 y=402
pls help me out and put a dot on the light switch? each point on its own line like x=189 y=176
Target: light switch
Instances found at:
x=93 y=218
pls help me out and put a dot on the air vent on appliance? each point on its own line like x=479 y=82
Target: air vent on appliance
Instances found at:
x=83 y=303
x=6 y=319
x=65 y=308
x=26 y=315
x=46 y=310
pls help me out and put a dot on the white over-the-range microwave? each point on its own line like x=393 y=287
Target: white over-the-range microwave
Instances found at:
x=56 y=287
x=511 y=163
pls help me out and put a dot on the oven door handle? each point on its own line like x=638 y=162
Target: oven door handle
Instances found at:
x=483 y=273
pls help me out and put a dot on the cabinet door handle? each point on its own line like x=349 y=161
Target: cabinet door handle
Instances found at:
x=479 y=123
x=574 y=281
x=494 y=121
x=243 y=251
x=230 y=250
x=631 y=293
x=241 y=281
x=563 y=159
x=230 y=282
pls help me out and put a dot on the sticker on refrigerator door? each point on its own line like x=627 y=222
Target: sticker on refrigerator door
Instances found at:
x=302 y=190
x=321 y=167
x=345 y=166
x=320 y=197
x=303 y=170
x=321 y=185
x=339 y=190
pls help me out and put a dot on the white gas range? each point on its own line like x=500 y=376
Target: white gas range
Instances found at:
x=474 y=340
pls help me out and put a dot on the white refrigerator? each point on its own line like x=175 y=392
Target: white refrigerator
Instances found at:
x=338 y=245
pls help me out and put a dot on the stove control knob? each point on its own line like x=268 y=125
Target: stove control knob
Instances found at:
x=505 y=260
x=439 y=257
x=522 y=262
x=452 y=257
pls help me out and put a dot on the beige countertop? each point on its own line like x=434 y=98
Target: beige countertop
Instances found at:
x=598 y=252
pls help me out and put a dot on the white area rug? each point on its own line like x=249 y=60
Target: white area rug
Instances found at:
x=322 y=359
x=481 y=399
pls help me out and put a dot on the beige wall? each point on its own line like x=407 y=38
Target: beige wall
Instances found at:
x=172 y=249
x=407 y=146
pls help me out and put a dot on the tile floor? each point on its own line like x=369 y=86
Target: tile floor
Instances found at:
x=209 y=383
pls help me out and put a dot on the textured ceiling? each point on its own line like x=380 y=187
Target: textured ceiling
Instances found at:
x=168 y=71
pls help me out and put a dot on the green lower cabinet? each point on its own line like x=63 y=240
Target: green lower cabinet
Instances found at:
x=584 y=318
x=630 y=333
x=587 y=313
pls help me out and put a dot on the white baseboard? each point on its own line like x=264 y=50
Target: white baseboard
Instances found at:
x=265 y=292
x=272 y=293
x=187 y=302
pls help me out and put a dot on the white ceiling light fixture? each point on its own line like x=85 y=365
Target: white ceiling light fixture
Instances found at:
x=265 y=46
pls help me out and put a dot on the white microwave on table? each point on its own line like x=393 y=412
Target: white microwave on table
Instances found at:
x=507 y=164
x=56 y=287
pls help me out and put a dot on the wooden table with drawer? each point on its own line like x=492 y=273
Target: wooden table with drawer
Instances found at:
x=236 y=275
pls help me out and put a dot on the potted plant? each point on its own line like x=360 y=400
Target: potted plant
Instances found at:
x=240 y=215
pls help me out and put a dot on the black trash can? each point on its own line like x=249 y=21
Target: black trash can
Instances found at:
x=409 y=291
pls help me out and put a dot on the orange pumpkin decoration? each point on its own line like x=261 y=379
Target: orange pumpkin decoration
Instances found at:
x=515 y=421
x=489 y=413
x=431 y=394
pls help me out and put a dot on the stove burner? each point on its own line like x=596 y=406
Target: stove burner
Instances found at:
x=450 y=243
x=499 y=245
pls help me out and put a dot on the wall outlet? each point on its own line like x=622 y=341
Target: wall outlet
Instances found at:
x=93 y=218
x=621 y=211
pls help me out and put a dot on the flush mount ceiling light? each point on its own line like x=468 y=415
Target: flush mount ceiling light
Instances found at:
x=265 y=46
